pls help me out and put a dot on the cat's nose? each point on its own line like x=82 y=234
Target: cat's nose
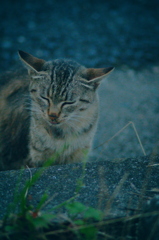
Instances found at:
x=53 y=116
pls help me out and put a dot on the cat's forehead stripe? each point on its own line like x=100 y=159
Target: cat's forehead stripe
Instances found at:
x=62 y=76
x=63 y=69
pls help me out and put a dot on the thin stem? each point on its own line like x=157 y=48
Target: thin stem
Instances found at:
x=121 y=130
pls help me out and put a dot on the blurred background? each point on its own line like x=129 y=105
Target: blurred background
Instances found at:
x=95 y=33
x=122 y=33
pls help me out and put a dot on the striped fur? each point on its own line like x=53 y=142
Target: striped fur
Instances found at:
x=51 y=112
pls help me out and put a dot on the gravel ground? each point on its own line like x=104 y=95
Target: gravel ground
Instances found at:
x=124 y=34
x=93 y=32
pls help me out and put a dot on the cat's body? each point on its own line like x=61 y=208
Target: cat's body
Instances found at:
x=50 y=113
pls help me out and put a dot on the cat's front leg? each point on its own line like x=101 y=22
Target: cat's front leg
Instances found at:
x=35 y=157
x=80 y=155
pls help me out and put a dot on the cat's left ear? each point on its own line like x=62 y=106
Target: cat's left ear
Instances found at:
x=31 y=62
x=96 y=75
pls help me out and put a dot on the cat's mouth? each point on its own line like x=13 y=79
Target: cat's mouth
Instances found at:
x=54 y=122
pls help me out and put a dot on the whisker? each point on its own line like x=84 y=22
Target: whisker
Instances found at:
x=80 y=117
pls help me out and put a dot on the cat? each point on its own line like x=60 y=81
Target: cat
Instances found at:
x=49 y=112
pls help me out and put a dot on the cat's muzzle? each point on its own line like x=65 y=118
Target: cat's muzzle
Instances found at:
x=54 y=118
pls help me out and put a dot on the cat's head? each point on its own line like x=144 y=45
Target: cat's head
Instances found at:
x=63 y=90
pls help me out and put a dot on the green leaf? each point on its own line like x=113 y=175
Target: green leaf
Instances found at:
x=9 y=228
x=48 y=216
x=79 y=222
x=75 y=208
x=40 y=221
x=93 y=213
x=42 y=201
x=89 y=233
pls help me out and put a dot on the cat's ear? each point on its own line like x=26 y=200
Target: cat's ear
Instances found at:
x=95 y=75
x=31 y=62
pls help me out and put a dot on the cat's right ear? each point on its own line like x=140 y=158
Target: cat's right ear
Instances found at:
x=31 y=62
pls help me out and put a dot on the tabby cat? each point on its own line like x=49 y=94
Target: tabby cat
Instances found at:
x=49 y=112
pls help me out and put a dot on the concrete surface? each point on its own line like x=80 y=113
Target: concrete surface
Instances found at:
x=119 y=188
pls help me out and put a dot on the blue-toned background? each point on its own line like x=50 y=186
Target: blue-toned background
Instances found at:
x=95 y=33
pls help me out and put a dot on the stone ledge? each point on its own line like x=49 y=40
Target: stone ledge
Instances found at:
x=118 y=188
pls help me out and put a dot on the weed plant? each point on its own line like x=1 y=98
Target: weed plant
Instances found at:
x=22 y=221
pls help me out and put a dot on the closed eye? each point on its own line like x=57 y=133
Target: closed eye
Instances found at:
x=45 y=98
x=67 y=103
x=84 y=100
